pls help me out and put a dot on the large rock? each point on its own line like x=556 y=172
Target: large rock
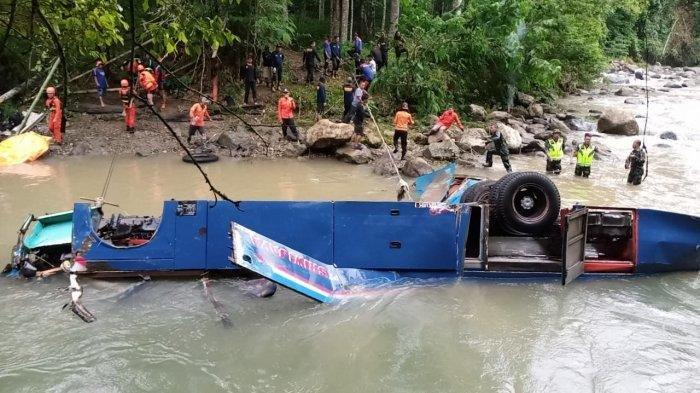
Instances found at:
x=350 y=154
x=639 y=74
x=438 y=137
x=616 y=79
x=326 y=134
x=498 y=116
x=525 y=99
x=237 y=140
x=669 y=135
x=535 y=128
x=416 y=166
x=535 y=110
x=473 y=139
x=511 y=136
x=619 y=122
x=519 y=111
x=477 y=112
x=579 y=124
x=634 y=101
x=534 y=146
x=625 y=92
x=454 y=132
x=373 y=140
x=292 y=149
x=673 y=85
x=557 y=124
x=445 y=150
x=420 y=139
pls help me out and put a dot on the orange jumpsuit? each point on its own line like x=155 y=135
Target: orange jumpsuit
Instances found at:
x=129 y=107
x=53 y=104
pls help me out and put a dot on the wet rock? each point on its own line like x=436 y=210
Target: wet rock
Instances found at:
x=454 y=132
x=688 y=83
x=142 y=152
x=534 y=128
x=673 y=85
x=420 y=139
x=473 y=140
x=663 y=89
x=373 y=140
x=238 y=140
x=477 y=112
x=293 y=149
x=383 y=166
x=616 y=79
x=548 y=108
x=524 y=99
x=445 y=150
x=654 y=75
x=519 y=111
x=416 y=166
x=634 y=101
x=533 y=146
x=639 y=74
x=557 y=124
x=511 y=136
x=602 y=151
x=498 y=116
x=535 y=110
x=540 y=120
x=438 y=137
x=351 y=155
x=80 y=149
x=669 y=135
x=662 y=145
x=625 y=92
x=619 y=122
x=469 y=161
x=326 y=134
x=578 y=124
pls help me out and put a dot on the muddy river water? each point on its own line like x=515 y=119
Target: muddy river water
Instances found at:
x=622 y=335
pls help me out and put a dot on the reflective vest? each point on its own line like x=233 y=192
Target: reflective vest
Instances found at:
x=556 y=149
x=584 y=155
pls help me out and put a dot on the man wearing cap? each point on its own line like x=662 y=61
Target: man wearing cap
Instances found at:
x=55 y=108
x=554 y=148
x=198 y=112
x=126 y=96
x=285 y=115
x=98 y=74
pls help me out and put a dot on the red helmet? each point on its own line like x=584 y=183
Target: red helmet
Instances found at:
x=124 y=83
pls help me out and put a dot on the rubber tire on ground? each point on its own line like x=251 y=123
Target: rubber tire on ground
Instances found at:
x=201 y=157
x=512 y=216
x=479 y=192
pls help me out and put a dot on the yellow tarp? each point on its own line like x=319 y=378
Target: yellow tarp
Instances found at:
x=24 y=147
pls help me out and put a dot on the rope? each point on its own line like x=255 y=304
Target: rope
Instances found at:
x=201 y=94
x=403 y=185
x=646 y=92
x=212 y=188
x=109 y=177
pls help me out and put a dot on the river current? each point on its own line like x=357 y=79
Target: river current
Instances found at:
x=636 y=334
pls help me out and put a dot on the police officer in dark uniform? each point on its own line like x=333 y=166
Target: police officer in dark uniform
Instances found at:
x=500 y=148
x=635 y=163
x=310 y=57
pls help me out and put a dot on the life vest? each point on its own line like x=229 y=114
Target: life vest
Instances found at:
x=556 y=149
x=584 y=155
x=125 y=95
x=146 y=80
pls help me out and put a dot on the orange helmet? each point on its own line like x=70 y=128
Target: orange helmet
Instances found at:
x=140 y=68
x=124 y=83
x=50 y=90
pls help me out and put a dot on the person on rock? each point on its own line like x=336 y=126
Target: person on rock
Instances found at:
x=356 y=104
x=126 y=96
x=445 y=121
x=55 y=108
x=500 y=148
x=554 y=149
x=278 y=62
x=285 y=115
x=584 y=154
x=348 y=94
x=360 y=100
x=198 y=113
x=402 y=120
x=100 y=78
x=635 y=163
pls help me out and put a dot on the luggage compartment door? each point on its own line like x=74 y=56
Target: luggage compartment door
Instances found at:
x=573 y=245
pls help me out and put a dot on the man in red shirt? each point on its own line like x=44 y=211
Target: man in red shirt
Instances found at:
x=55 y=108
x=198 y=112
x=285 y=115
x=446 y=120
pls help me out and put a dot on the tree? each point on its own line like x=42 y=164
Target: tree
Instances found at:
x=345 y=8
x=394 y=13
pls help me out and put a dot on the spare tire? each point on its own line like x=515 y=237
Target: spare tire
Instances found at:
x=525 y=203
x=479 y=192
x=201 y=157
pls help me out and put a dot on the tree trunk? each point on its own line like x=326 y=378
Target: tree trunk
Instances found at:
x=384 y=17
x=334 y=18
x=345 y=8
x=456 y=4
x=19 y=88
x=351 y=19
x=321 y=11
x=394 y=17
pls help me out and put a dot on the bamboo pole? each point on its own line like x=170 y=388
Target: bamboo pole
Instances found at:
x=38 y=95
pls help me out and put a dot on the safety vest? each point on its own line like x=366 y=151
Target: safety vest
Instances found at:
x=125 y=95
x=584 y=155
x=556 y=149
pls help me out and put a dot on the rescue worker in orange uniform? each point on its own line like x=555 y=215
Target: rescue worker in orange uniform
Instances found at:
x=55 y=108
x=148 y=83
x=198 y=112
x=127 y=99
x=285 y=115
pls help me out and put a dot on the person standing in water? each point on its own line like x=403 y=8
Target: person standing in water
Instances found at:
x=554 y=148
x=500 y=148
x=584 y=154
x=635 y=163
